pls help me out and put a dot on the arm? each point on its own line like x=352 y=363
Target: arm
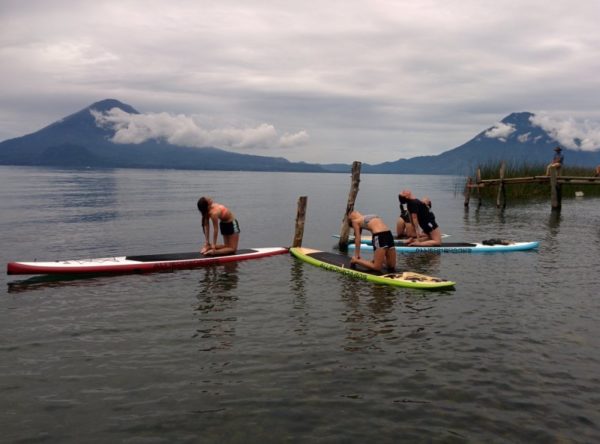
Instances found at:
x=206 y=231
x=356 y=239
x=215 y=221
x=415 y=222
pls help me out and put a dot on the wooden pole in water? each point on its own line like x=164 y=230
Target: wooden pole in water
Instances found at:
x=468 y=191
x=345 y=229
x=300 y=215
x=501 y=189
x=555 y=190
x=478 y=182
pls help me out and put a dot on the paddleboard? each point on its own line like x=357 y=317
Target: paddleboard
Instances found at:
x=135 y=264
x=460 y=247
x=368 y=239
x=341 y=264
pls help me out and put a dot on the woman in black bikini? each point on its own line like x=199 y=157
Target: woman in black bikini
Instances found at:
x=383 y=241
x=223 y=219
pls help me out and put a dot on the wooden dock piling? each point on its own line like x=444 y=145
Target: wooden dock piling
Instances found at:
x=300 y=216
x=554 y=180
x=467 y=192
x=478 y=180
x=477 y=185
x=345 y=229
x=555 y=190
x=501 y=196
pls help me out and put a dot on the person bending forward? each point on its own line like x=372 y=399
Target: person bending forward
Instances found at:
x=383 y=241
x=222 y=218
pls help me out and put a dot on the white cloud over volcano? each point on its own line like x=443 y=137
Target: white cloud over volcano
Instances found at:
x=579 y=135
x=500 y=131
x=183 y=130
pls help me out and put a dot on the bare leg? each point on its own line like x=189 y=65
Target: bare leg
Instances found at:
x=434 y=240
x=553 y=165
x=400 y=228
x=410 y=230
x=376 y=264
x=390 y=259
x=230 y=246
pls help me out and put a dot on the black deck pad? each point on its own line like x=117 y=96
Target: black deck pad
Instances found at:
x=448 y=244
x=342 y=261
x=180 y=256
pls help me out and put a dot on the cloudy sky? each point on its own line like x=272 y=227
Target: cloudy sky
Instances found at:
x=319 y=81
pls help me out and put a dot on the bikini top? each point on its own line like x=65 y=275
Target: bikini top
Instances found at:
x=223 y=211
x=368 y=218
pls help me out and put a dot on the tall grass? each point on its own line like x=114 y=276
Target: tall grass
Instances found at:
x=533 y=191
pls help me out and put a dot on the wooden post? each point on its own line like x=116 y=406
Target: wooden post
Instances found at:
x=345 y=229
x=501 y=191
x=478 y=182
x=300 y=215
x=468 y=191
x=555 y=190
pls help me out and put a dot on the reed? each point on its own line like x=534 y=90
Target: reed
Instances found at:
x=517 y=192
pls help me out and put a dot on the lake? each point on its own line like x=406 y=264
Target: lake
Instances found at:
x=275 y=350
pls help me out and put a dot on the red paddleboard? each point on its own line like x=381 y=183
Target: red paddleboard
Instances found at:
x=137 y=264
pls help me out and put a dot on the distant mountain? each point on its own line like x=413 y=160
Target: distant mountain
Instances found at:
x=525 y=143
x=77 y=141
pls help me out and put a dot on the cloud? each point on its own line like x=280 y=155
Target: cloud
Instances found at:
x=579 y=135
x=183 y=130
x=403 y=78
x=500 y=131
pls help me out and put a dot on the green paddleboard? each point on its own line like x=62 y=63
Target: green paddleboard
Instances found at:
x=341 y=264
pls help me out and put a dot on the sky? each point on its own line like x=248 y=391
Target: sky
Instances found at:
x=314 y=81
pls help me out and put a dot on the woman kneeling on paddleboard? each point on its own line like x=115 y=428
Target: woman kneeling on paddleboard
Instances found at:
x=424 y=219
x=222 y=218
x=383 y=241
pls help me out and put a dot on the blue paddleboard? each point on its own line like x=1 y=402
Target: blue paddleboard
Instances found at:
x=460 y=247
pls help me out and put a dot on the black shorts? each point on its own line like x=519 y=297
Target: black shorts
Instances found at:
x=229 y=228
x=385 y=239
x=428 y=227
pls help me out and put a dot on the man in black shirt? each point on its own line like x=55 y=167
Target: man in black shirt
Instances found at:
x=557 y=161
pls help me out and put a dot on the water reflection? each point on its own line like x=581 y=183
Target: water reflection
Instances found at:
x=425 y=263
x=49 y=281
x=484 y=216
x=297 y=281
x=368 y=314
x=298 y=289
x=215 y=299
x=554 y=221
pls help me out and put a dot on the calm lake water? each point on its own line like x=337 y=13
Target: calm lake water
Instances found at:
x=274 y=350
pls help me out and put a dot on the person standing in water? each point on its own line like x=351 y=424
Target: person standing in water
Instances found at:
x=222 y=219
x=383 y=241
